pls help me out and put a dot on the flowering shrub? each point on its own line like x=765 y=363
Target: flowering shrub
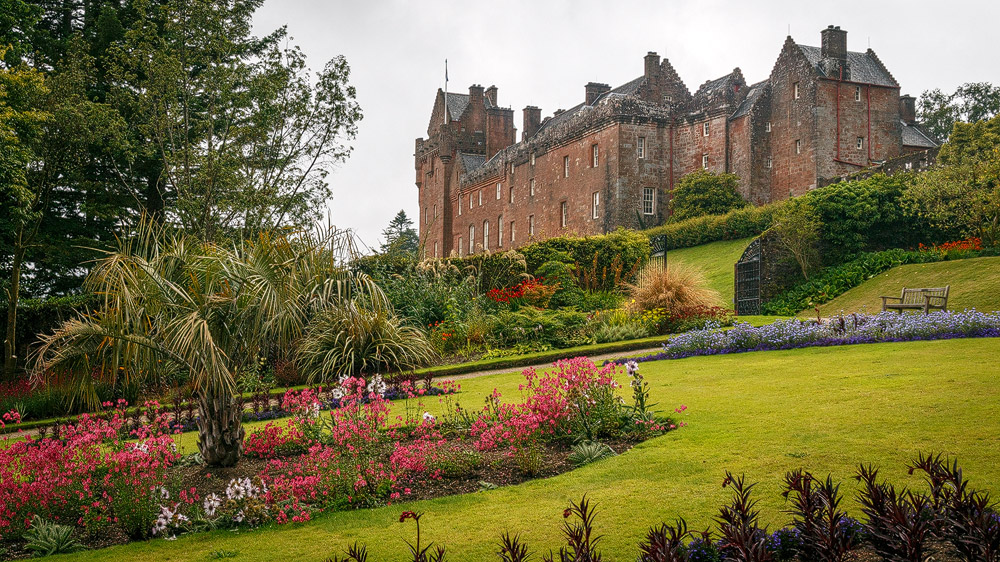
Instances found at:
x=969 y=244
x=529 y=290
x=89 y=477
x=857 y=328
x=575 y=400
x=275 y=440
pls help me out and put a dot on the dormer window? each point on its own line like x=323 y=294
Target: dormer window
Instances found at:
x=532 y=158
x=704 y=129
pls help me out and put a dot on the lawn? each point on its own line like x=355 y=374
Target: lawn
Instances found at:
x=824 y=409
x=975 y=283
x=717 y=260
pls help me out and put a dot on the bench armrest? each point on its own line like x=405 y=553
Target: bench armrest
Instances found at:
x=884 y=299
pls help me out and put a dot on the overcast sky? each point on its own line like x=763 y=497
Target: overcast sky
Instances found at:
x=541 y=53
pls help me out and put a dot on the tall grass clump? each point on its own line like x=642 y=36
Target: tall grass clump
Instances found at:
x=674 y=289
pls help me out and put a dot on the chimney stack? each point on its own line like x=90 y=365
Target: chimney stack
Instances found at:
x=652 y=72
x=594 y=90
x=908 y=109
x=833 y=49
x=532 y=120
x=491 y=94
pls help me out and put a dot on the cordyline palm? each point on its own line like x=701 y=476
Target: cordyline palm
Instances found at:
x=174 y=306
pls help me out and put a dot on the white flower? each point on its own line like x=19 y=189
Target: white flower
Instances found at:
x=337 y=393
x=239 y=516
x=164 y=493
x=429 y=417
x=211 y=504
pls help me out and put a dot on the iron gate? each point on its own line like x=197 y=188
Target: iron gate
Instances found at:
x=746 y=293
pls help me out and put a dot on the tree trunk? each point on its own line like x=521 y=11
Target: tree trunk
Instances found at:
x=220 y=428
x=13 y=294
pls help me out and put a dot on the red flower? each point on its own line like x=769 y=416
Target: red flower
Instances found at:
x=407 y=515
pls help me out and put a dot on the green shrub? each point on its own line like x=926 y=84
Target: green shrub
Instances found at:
x=558 y=329
x=600 y=262
x=587 y=452
x=703 y=193
x=561 y=273
x=607 y=333
x=740 y=223
x=46 y=538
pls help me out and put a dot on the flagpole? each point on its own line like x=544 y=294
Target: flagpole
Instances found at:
x=445 y=91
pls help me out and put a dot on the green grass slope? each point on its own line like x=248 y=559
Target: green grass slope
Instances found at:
x=975 y=283
x=717 y=260
x=762 y=414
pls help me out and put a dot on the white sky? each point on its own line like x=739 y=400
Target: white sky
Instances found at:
x=542 y=52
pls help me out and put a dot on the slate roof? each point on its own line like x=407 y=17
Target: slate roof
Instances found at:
x=471 y=161
x=914 y=135
x=456 y=105
x=864 y=67
x=755 y=91
x=563 y=117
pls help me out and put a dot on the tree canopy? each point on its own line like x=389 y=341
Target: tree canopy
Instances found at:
x=704 y=193
x=970 y=102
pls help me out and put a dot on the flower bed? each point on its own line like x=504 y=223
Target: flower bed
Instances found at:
x=844 y=330
x=353 y=456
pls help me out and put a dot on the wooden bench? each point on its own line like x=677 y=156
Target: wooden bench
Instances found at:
x=918 y=299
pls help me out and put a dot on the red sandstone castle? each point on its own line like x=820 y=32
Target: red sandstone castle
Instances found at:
x=613 y=159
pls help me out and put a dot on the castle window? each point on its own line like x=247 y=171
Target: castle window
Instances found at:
x=563 y=214
x=511 y=232
x=470 y=200
x=597 y=204
x=512 y=168
x=704 y=161
x=472 y=239
x=486 y=235
x=498 y=192
x=459 y=205
x=861 y=143
x=767 y=127
x=595 y=155
x=480 y=197
x=435 y=211
x=704 y=129
x=531 y=225
x=795 y=90
x=461 y=246
x=510 y=196
x=435 y=249
x=770 y=162
x=798 y=146
x=857 y=93
x=565 y=166
x=532 y=158
x=531 y=187
x=909 y=165
x=640 y=148
x=648 y=200
x=500 y=231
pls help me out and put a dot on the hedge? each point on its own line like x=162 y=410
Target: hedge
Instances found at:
x=41 y=316
x=736 y=224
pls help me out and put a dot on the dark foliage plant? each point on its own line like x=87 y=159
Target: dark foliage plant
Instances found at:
x=512 y=549
x=899 y=522
x=581 y=542
x=743 y=540
x=825 y=531
x=665 y=543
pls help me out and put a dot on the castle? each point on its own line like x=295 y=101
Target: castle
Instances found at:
x=613 y=159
